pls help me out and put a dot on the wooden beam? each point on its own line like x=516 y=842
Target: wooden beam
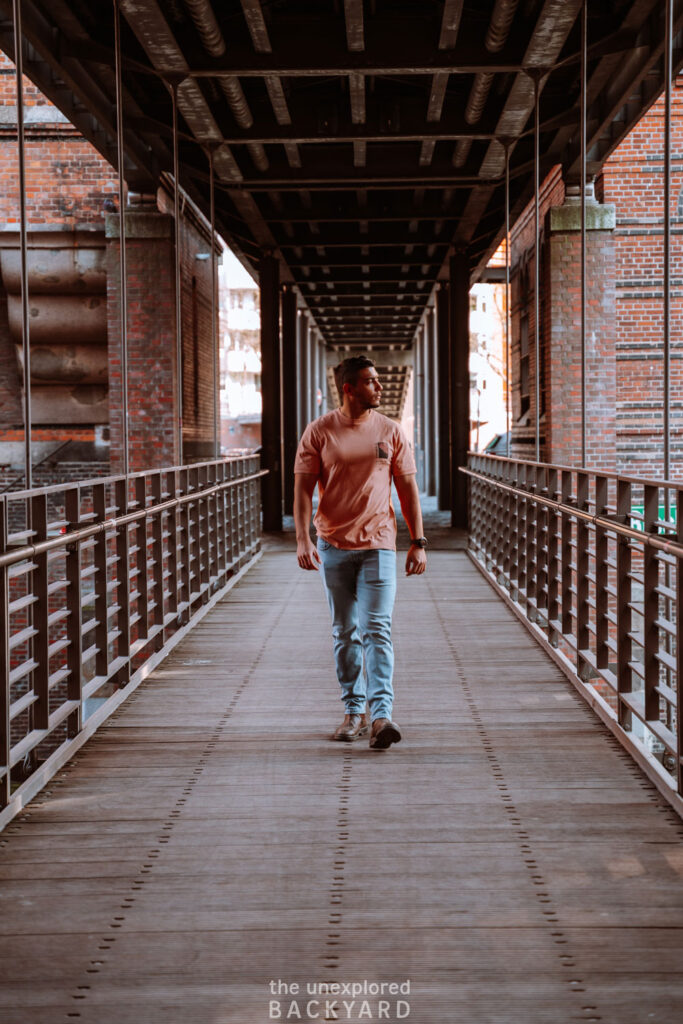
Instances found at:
x=353 y=16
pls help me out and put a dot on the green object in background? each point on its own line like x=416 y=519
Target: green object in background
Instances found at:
x=637 y=524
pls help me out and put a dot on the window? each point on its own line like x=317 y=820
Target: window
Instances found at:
x=525 y=400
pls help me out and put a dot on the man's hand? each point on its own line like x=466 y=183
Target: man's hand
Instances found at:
x=416 y=561
x=307 y=554
x=306 y=551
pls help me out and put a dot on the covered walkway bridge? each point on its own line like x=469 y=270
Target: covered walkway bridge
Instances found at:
x=180 y=840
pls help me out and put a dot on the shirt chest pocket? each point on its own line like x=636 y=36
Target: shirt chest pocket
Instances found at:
x=384 y=452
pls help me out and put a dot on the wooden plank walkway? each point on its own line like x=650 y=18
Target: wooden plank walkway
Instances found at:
x=506 y=860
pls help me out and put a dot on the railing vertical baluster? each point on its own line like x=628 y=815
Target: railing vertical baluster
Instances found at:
x=210 y=551
x=158 y=558
x=554 y=570
x=74 y=622
x=679 y=646
x=567 y=557
x=194 y=513
x=232 y=515
x=38 y=580
x=122 y=567
x=204 y=513
x=521 y=533
x=101 y=589
x=651 y=606
x=601 y=576
x=142 y=560
x=221 y=525
x=240 y=510
x=4 y=666
x=172 y=552
x=542 y=543
x=186 y=541
x=492 y=535
x=515 y=567
x=531 y=554
x=582 y=581
x=624 y=606
x=255 y=505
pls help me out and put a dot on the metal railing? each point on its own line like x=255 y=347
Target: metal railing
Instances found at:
x=593 y=563
x=99 y=579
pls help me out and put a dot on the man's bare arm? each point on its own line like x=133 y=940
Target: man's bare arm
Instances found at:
x=409 y=497
x=306 y=552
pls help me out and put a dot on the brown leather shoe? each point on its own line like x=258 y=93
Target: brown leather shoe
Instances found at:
x=384 y=733
x=352 y=727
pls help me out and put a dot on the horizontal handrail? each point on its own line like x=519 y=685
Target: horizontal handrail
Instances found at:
x=592 y=562
x=670 y=547
x=591 y=471
x=107 y=525
x=137 y=561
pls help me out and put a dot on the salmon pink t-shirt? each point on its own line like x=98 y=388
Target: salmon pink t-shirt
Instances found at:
x=355 y=461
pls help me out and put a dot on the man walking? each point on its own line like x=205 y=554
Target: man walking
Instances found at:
x=353 y=454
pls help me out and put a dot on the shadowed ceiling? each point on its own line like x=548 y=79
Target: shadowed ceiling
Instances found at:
x=361 y=141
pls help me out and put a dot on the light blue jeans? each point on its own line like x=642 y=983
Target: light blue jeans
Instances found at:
x=361 y=587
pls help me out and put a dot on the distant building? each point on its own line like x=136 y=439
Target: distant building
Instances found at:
x=240 y=358
x=487 y=364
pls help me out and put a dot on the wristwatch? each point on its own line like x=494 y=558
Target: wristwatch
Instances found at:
x=418 y=542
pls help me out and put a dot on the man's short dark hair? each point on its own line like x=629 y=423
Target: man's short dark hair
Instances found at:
x=347 y=372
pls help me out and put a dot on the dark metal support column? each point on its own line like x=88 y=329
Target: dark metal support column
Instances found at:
x=289 y=391
x=424 y=399
x=418 y=435
x=215 y=346
x=178 y=294
x=460 y=384
x=302 y=389
x=269 y=283
x=584 y=62
x=537 y=266
x=444 y=385
x=508 y=349
x=23 y=245
x=668 y=63
x=432 y=387
x=315 y=361
x=123 y=291
x=426 y=396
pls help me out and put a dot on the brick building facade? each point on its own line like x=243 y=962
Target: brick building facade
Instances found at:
x=73 y=229
x=624 y=311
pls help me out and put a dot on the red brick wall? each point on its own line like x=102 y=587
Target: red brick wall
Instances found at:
x=67 y=185
x=198 y=355
x=563 y=350
x=633 y=179
x=152 y=398
x=151 y=349
x=67 y=181
x=522 y=278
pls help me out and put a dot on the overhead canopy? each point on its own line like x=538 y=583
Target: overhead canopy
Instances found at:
x=361 y=142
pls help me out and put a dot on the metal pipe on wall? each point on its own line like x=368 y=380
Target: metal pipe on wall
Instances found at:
x=123 y=285
x=433 y=380
x=23 y=245
x=668 y=65
x=303 y=371
x=178 y=296
x=584 y=63
x=215 y=348
x=418 y=373
x=316 y=376
x=537 y=261
x=508 y=354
